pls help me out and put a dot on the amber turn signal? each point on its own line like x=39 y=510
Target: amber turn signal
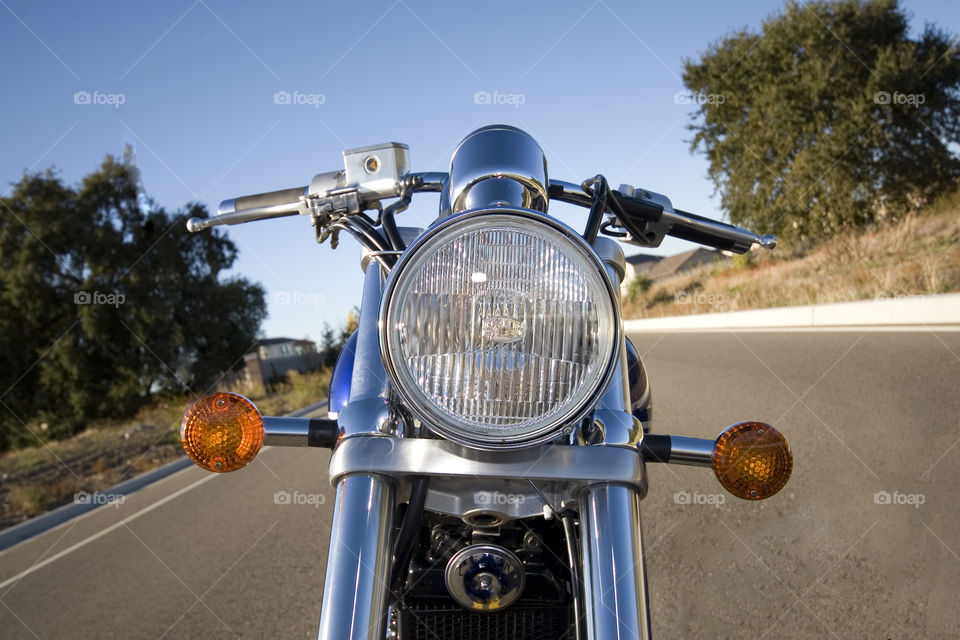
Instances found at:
x=752 y=460
x=222 y=432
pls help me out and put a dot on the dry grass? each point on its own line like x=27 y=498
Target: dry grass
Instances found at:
x=300 y=390
x=919 y=255
x=39 y=478
x=29 y=499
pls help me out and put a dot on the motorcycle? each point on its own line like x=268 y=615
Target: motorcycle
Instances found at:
x=489 y=420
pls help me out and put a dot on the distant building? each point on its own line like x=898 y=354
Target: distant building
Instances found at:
x=639 y=263
x=274 y=358
x=672 y=265
x=659 y=267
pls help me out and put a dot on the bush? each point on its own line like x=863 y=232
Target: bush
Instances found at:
x=638 y=286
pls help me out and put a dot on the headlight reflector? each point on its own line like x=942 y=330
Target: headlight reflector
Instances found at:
x=499 y=328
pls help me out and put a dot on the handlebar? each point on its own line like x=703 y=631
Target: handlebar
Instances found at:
x=646 y=216
x=651 y=214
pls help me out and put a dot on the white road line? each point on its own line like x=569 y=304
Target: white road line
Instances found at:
x=104 y=532
x=74 y=519
x=919 y=328
x=925 y=312
x=86 y=514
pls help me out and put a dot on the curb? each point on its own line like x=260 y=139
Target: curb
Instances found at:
x=44 y=522
x=918 y=312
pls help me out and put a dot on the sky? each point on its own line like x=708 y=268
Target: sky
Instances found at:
x=191 y=86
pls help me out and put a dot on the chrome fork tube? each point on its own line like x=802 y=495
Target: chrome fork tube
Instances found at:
x=615 y=587
x=356 y=589
x=355 y=593
x=617 y=395
x=611 y=539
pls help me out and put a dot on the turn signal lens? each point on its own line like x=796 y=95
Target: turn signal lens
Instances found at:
x=752 y=460
x=222 y=432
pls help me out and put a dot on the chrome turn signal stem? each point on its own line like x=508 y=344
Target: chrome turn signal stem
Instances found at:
x=299 y=432
x=696 y=452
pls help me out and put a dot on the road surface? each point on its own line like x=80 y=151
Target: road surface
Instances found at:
x=863 y=543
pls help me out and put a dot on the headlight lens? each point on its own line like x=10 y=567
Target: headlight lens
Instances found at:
x=499 y=328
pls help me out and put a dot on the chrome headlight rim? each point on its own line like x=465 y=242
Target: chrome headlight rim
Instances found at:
x=424 y=410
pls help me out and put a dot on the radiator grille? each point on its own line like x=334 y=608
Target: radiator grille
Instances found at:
x=453 y=622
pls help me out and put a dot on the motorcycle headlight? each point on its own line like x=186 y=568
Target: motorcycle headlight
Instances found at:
x=499 y=328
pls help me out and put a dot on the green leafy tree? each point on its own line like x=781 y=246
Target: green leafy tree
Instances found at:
x=105 y=300
x=829 y=116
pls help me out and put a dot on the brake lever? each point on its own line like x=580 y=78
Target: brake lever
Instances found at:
x=246 y=215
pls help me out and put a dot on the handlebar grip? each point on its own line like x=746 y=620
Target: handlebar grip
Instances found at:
x=722 y=236
x=698 y=235
x=261 y=200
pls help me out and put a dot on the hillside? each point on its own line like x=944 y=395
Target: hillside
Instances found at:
x=45 y=476
x=918 y=255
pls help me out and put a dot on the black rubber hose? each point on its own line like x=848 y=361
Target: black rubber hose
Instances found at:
x=600 y=191
x=364 y=233
x=361 y=222
x=576 y=580
x=407 y=537
x=389 y=222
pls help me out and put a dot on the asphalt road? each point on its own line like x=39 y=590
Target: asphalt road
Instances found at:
x=863 y=543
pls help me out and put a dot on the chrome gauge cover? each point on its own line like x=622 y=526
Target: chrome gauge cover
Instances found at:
x=499 y=328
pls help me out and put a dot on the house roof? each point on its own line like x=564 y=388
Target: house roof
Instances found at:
x=642 y=258
x=265 y=342
x=680 y=261
x=641 y=263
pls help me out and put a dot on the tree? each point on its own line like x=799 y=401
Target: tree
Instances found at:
x=333 y=340
x=830 y=116
x=105 y=299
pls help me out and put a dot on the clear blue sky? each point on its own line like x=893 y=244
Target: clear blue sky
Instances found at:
x=197 y=81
